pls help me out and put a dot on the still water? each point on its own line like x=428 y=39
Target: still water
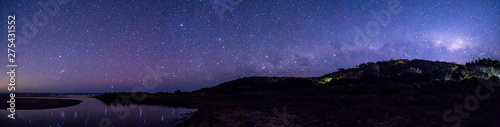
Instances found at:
x=92 y=112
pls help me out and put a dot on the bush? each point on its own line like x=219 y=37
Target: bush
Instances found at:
x=177 y=92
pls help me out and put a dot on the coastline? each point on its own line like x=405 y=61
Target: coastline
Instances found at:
x=24 y=103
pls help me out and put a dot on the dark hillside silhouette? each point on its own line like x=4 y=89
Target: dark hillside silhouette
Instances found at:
x=386 y=93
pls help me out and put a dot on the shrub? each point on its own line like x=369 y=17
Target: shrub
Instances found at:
x=177 y=92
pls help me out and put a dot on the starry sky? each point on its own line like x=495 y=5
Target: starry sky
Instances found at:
x=107 y=46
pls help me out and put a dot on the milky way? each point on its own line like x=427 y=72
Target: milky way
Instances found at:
x=106 y=46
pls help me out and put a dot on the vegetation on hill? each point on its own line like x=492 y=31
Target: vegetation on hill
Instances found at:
x=387 y=93
x=379 y=77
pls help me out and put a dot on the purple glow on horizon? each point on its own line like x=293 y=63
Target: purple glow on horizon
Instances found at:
x=93 y=46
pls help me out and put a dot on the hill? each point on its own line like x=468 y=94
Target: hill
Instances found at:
x=379 y=77
x=385 y=93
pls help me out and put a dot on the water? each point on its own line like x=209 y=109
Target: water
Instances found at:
x=92 y=112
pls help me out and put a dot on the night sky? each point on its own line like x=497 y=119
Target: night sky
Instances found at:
x=108 y=46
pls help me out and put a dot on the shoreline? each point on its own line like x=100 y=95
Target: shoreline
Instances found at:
x=26 y=103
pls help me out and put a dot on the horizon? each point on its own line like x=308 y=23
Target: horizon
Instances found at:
x=62 y=93
x=163 y=46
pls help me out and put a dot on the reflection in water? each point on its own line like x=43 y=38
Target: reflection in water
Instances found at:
x=62 y=114
x=91 y=112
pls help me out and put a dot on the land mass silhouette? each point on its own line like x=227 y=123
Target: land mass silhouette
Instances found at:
x=386 y=93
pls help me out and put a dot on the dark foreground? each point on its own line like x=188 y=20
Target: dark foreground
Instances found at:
x=389 y=93
x=404 y=108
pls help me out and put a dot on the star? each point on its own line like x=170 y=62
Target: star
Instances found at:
x=188 y=43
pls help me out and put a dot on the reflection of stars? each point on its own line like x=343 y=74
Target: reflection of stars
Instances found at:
x=62 y=71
